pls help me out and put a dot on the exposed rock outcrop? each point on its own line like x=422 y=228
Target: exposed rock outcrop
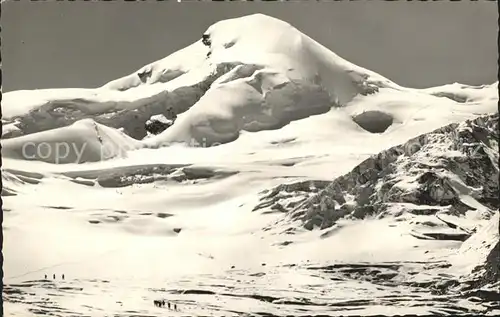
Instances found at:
x=434 y=170
x=374 y=121
x=287 y=196
x=159 y=123
x=482 y=251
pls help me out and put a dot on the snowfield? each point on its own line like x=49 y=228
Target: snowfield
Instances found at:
x=292 y=182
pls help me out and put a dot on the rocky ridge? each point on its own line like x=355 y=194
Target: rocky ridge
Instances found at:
x=429 y=174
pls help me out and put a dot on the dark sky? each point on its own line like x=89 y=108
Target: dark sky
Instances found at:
x=86 y=44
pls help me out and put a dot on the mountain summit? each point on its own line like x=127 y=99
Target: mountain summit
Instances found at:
x=248 y=74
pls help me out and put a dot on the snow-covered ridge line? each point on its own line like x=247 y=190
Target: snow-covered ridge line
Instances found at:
x=235 y=78
x=127 y=110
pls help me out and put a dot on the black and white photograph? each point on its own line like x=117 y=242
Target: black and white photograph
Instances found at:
x=250 y=158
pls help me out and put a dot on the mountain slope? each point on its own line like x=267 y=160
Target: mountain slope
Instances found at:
x=236 y=78
x=451 y=170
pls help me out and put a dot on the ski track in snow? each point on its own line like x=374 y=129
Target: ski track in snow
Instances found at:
x=130 y=219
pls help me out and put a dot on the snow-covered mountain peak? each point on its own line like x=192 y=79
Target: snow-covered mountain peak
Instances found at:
x=249 y=74
x=252 y=36
x=258 y=39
